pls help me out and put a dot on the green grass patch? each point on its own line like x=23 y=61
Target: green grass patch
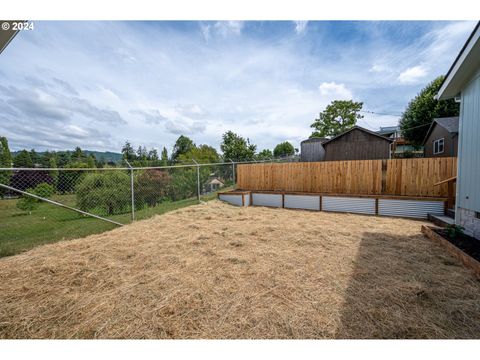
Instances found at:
x=21 y=231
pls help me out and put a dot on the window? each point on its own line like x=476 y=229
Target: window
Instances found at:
x=438 y=146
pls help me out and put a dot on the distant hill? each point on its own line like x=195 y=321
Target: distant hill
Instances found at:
x=107 y=156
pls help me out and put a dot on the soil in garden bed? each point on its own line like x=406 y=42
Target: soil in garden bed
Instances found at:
x=468 y=244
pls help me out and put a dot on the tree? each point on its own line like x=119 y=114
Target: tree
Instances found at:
x=201 y=154
x=265 y=154
x=128 y=152
x=142 y=153
x=153 y=155
x=421 y=111
x=91 y=161
x=236 y=148
x=5 y=154
x=152 y=186
x=53 y=173
x=164 y=159
x=337 y=117
x=284 y=149
x=5 y=162
x=34 y=156
x=183 y=145
x=78 y=155
x=26 y=179
x=23 y=160
x=106 y=193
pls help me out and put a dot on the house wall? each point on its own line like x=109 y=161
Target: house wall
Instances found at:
x=468 y=178
x=312 y=151
x=450 y=143
x=357 y=145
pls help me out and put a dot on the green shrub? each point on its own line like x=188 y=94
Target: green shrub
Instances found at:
x=44 y=190
x=105 y=193
x=455 y=231
x=29 y=203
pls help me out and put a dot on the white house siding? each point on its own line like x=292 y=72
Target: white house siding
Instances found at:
x=468 y=179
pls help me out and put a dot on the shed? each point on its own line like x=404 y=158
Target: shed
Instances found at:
x=312 y=149
x=357 y=143
x=442 y=138
x=213 y=185
x=462 y=82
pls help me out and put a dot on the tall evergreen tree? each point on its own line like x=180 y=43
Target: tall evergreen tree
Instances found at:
x=23 y=160
x=5 y=162
x=128 y=151
x=164 y=158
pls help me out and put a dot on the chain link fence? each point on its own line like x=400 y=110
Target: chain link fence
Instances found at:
x=42 y=205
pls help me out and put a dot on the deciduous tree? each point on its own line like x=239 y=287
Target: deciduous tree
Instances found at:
x=337 y=117
x=421 y=111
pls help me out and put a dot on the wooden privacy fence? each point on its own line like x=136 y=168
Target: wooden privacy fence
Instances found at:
x=398 y=177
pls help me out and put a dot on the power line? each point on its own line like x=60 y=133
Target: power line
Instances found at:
x=377 y=113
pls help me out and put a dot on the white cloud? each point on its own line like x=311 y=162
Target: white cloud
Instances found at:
x=205 y=29
x=226 y=28
x=300 y=26
x=412 y=74
x=379 y=68
x=335 y=91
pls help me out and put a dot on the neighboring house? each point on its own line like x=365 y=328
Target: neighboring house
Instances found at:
x=462 y=82
x=213 y=185
x=312 y=149
x=357 y=143
x=442 y=138
x=401 y=148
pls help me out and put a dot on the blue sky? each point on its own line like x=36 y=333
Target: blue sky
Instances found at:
x=97 y=84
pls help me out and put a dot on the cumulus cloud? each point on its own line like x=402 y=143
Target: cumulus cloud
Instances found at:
x=335 y=91
x=300 y=26
x=185 y=127
x=412 y=74
x=152 y=116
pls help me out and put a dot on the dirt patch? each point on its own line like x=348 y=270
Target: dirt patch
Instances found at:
x=200 y=273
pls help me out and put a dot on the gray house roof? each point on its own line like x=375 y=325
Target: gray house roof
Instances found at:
x=448 y=123
x=359 y=128
x=314 y=140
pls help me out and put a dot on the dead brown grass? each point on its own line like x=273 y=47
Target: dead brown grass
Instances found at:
x=218 y=271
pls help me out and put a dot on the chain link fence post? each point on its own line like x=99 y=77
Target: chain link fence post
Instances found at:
x=233 y=171
x=132 y=190
x=198 y=180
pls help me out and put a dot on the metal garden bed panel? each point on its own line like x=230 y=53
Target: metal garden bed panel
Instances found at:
x=307 y=202
x=272 y=200
x=410 y=208
x=349 y=204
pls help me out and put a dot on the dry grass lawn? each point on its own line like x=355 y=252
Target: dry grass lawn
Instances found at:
x=218 y=271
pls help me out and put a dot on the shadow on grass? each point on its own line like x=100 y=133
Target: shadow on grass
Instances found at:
x=408 y=287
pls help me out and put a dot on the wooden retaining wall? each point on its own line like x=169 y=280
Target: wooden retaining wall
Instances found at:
x=400 y=177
